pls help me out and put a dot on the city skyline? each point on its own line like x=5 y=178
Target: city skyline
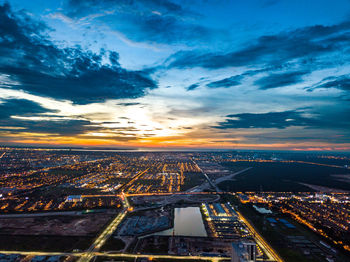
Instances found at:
x=175 y=74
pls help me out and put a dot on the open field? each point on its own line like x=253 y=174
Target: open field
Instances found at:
x=73 y=225
x=44 y=243
x=283 y=177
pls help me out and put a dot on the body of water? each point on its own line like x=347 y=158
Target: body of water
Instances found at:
x=187 y=222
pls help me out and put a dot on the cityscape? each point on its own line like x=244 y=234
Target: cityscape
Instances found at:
x=83 y=205
x=174 y=130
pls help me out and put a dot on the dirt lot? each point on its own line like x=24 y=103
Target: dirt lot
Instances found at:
x=72 y=225
x=44 y=243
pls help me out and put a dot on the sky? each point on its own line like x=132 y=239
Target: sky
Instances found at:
x=210 y=74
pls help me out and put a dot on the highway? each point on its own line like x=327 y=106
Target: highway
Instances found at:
x=133 y=179
x=221 y=179
x=94 y=249
x=173 y=257
x=107 y=233
x=2 y=155
x=268 y=250
x=106 y=254
x=217 y=189
x=175 y=193
x=214 y=183
x=39 y=253
x=82 y=255
x=103 y=237
x=156 y=194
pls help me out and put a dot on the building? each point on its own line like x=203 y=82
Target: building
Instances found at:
x=74 y=198
x=262 y=210
x=244 y=251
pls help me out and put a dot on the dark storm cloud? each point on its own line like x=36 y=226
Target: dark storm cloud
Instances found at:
x=152 y=21
x=66 y=127
x=40 y=67
x=266 y=120
x=330 y=117
x=280 y=79
x=129 y=104
x=339 y=82
x=26 y=108
x=227 y=82
x=21 y=107
x=305 y=43
x=192 y=87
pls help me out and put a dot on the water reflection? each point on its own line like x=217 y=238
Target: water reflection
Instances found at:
x=188 y=222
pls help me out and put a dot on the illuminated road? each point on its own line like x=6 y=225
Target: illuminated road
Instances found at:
x=120 y=255
x=137 y=176
x=268 y=250
x=206 y=184
x=94 y=249
x=102 y=238
x=173 y=257
x=214 y=183
x=175 y=193
x=106 y=234
x=221 y=179
x=83 y=255
x=2 y=155
x=39 y=253
x=156 y=194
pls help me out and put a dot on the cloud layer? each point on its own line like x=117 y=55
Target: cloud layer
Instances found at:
x=175 y=73
x=273 y=50
x=35 y=64
x=151 y=21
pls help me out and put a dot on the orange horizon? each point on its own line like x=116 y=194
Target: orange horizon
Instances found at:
x=97 y=143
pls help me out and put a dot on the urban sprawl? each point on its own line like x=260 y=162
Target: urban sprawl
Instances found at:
x=80 y=205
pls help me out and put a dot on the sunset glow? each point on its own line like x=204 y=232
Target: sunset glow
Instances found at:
x=175 y=74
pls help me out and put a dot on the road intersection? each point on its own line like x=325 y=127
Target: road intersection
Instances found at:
x=94 y=249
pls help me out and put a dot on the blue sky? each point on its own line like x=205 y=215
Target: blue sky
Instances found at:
x=158 y=73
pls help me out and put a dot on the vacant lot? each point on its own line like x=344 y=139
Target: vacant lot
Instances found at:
x=279 y=177
x=72 y=225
